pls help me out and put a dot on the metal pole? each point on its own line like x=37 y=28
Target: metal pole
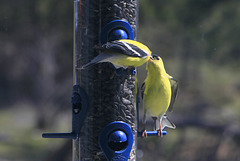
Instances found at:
x=111 y=97
x=76 y=63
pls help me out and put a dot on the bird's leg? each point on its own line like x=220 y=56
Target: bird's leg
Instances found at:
x=144 y=131
x=160 y=129
x=155 y=123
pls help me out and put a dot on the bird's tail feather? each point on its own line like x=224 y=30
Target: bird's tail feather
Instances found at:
x=165 y=122
x=98 y=59
x=91 y=63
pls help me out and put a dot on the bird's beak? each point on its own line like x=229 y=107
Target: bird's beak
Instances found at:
x=150 y=59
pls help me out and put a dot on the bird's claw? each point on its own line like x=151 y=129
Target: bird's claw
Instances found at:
x=159 y=131
x=144 y=133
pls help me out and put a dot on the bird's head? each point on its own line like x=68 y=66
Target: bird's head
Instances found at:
x=155 y=63
x=154 y=57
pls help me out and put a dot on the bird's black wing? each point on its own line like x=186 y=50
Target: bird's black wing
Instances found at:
x=174 y=87
x=123 y=47
x=142 y=89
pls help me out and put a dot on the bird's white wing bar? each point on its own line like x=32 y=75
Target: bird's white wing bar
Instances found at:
x=136 y=51
x=123 y=48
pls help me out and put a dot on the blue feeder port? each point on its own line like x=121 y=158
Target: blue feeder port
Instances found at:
x=115 y=30
x=134 y=71
x=117 y=35
x=117 y=140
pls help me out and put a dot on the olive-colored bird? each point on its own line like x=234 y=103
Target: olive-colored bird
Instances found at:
x=158 y=92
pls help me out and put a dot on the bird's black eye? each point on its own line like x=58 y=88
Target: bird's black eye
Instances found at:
x=155 y=57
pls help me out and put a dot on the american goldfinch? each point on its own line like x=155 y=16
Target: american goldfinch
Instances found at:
x=158 y=92
x=122 y=53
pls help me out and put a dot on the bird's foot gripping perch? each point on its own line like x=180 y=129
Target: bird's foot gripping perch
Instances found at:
x=159 y=132
x=145 y=133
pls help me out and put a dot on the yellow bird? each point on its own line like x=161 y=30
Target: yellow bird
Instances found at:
x=122 y=53
x=158 y=92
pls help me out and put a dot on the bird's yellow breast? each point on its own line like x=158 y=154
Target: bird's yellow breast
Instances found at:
x=124 y=60
x=157 y=95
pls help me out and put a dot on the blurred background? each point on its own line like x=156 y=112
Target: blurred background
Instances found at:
x=198 y=41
